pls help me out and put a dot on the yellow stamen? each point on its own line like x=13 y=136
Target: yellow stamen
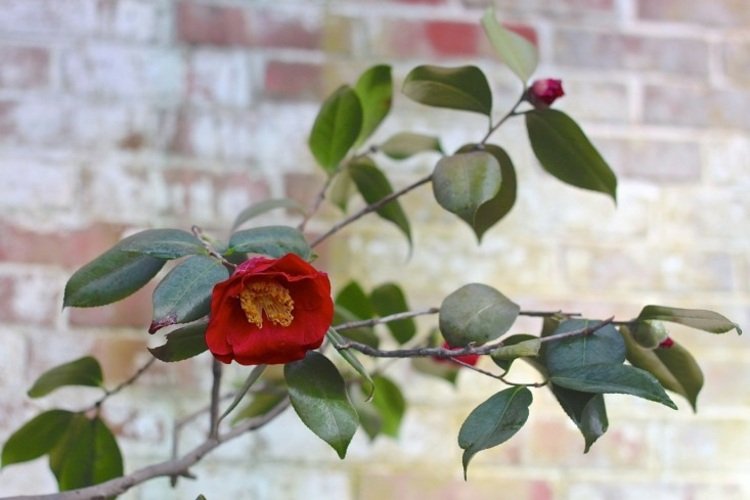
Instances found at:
x=270 y=298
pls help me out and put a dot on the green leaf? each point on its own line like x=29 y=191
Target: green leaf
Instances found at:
x=251 y=379
x=464 y=88
x=355 y=300
x=494 y=422
x=463 y=183
x=183 y=343
x=514 y=347
x=515 y=51
x=674 y=367
x=700 y=319
x=369 y=417
x=604 y=346
x=264 y=206
x=476 y=313
x=273 y=241
x=163 y=243
x=364 y=334
x=260 y=404
x=407 y=144
x=342 y=189
x=336 y=128
x=83 y=371
x=613 y=378
x=649 y=333
x=374 y=186
x=375 y=91
x=110 y=277
x=388 y=299
x=36 y=437
x=390 y=404
x=586 y=410
x=565 y=152
x=184 y=294
x=319 y=397
x=350 y=357
x=86 y=454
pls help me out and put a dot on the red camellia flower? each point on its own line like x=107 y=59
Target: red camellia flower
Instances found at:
x=666 y=343
x=270 y=311
x=543 y=93
x=469 y=359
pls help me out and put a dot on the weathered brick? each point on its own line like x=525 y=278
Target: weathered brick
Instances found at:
x=736 y=61
x=134 y=311
x=594 y=100
x=30 y=298
x=563 y=9
x=24 y=68
x=211 y=24
x=50 y=17
x=722 y=13
x=35 y=185
x=119 y=355
x=725 y=160
x=662 y=162
x=293 y=80
x=285 y=28
x=217 y=77
x=137 y=20
x=695 y=107
x=215 y=134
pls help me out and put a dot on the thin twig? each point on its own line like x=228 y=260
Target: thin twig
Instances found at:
x=321 y=196
x=498 y=377
x=213 y=430
x=548 y=314
x=130 y=381
x=385 y=319
x=510 y=113
x=198 y=232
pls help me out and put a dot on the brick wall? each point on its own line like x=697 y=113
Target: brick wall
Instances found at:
x=117 y=115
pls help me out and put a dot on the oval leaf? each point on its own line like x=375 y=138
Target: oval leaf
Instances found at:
x=515 y=51
x=342 y=189
x=700 y=319
x=604 y=346
x=264 y=206
x=353 y=298
x=183 y=343
x=464 y=88
x=83 y=371
x=565 y=152
x=184 y=294
x=319 y=397
x=36 y=437
x=388 y=299
x=273 y=241
x=586 y=410
x=494 y=422
x=476 y=313
x=336 y=128
x=163 y=243
x=375 y=91
x=406 y=144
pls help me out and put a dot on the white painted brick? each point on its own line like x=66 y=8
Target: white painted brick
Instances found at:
x=36 y=184
x=219 y=78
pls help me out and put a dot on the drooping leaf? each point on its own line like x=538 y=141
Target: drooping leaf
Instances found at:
x=350 y=358
x=514 y=347
x=407 y=144
x=375 y=91
x=566 y=153
x=264 y=206
x=515 y=51
x=612 y=378
x=319 y=397
x=183 y=343
x=373 y=185
x=586 y=410
x=184 y=294
x=336 y=128
x=604 y=346
x=163 y=243
x=84 y=371
x=260 y=404
x=388 y=299
x=36 y=437
x=464 y=88
x=342 y=189
x=708 y=321
x=494 y=422
x=476 y=313
x=273 y=241
x=390 y=404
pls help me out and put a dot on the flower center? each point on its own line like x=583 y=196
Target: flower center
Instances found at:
x=270 y=298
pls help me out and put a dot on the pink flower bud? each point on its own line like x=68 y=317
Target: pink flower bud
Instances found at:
x=542 y=93
x=666 y=343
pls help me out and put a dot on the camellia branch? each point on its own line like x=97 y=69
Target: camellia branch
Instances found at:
x=510 y=113
x=215 y=398
x=321 y=196
x=198 y=232
x=133 y=378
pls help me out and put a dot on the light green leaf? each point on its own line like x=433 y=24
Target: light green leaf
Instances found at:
x=406 y=144
x=375 y=91
x=264 y=206
x=463 y=88
x=336 y=128
x=388 y=299
x=273 y=241
x=83 y=371
x=183 y=343
x=36 y=437
x=700 y=319
x=515 y=51
x=163 y=243
x=476 y=313
x=342 y=189
x=515 y=346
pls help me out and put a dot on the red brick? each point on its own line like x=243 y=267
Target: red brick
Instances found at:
x=273 y=29
x=729 y=13
x=292 y=80
x=448 y=38
x=134 y=311
x=24 y=68
x=211 y=24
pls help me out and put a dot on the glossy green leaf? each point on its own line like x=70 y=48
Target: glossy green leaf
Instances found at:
x=163 y=243
x=319 y=397
x=463 y=183
x=265 y=206
x=388 y=299
x=36 y=437
x=604 y=346
x=350 y=357
x=84 y=371
x=708 y=321
x=390 y=404
x=494 y=422
x=674 y=367
x=565 y=152
x=184 y=294
x=183 y=343
x=476 y=313
x=586 y=410
x=407 y=144
x=612 y=378
x=353 y=297
x=342 y=189
x=85 y=455
x=375 y=91
x=374 y=186
x=515 y=51
x=260 y=404
x=273 y=241
x=110 y=277
x=464 y=88
x=336 y=128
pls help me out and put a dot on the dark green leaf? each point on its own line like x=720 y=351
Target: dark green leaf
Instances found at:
x=708 y=321
x=36 y=437
x=336 y=128
x=260 y=404
x=407 y=144
x=390 y=404
x=355 y=300
x=476 y=313
x=184 y=294
x=319 y=397
x=375 y=91
x=83 y=371
x=183 y=343
x=273 y=241
x=163 y=243
x=613 y=378
x=374 y=186
x=604 y=346
x=515 y=51
x=464 y=88
x=369 y=417
x=494 y=422
x=388 y=299
x=565 y=152
x=586 y=410
x=264 y=206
